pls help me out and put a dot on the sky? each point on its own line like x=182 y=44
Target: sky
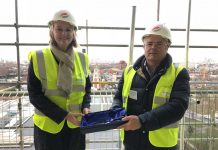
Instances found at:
x=113 y=13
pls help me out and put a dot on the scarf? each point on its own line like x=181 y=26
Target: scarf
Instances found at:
x=65 y=70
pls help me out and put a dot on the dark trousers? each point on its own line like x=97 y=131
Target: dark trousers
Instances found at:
x=67 y=139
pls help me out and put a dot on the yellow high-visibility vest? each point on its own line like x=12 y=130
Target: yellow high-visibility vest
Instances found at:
x=168 y=135
x=46 y=70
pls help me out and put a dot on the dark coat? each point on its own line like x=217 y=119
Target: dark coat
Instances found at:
x=42 y=103
x=157 y=118
x=67 y=138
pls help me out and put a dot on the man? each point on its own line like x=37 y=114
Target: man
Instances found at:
x=155 y=93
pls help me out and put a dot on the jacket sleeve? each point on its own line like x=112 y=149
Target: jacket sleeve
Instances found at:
x=87 y=96
x=117 y=101
x=173 y=110
x=41 y=102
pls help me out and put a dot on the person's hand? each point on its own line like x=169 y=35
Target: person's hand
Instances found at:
x=132 y=124
x=86 y=110
x=74 y=118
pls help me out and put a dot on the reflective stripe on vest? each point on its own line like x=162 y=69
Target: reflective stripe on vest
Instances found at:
x=128 y=76
x=42 y=74
x=47 y=74
x=168 y=135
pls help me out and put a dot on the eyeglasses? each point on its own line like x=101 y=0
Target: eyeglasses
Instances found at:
x=155 y=44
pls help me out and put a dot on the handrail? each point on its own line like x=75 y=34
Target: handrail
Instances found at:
x=99 y=92
x=110 y=82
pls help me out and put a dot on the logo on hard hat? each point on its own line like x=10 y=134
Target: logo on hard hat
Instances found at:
x=64 y=15
x=156 y=28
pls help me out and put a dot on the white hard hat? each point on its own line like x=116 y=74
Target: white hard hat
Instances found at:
x=158 y=29
x=63 y=15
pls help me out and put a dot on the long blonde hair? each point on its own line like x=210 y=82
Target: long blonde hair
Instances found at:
x=52 y=41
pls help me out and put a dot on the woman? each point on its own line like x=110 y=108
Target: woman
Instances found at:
x=59 y=88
